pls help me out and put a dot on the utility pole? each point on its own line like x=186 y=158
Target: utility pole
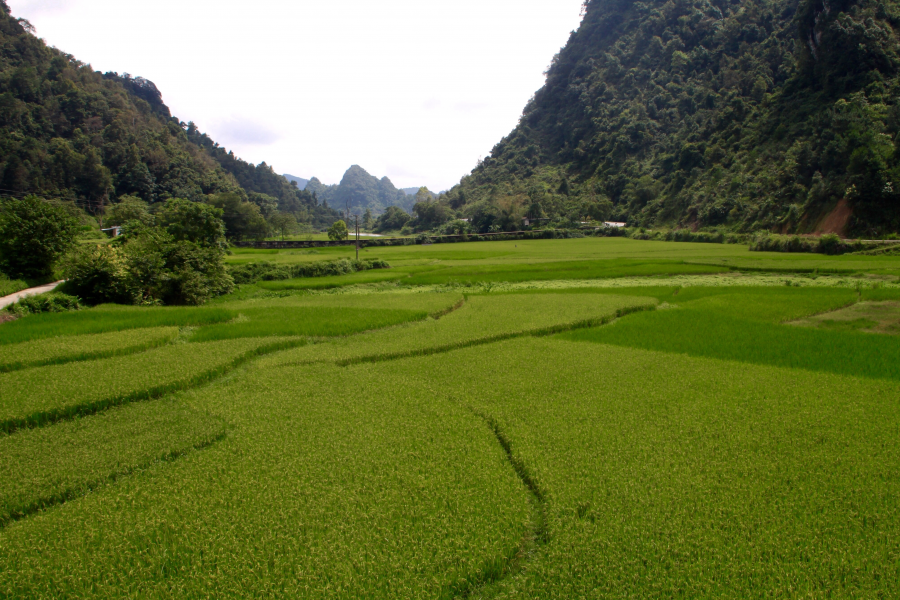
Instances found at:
x=357 y=238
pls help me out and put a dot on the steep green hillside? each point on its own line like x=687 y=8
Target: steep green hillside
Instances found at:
x=772 y=114
x=361 y=191
x=69 y=132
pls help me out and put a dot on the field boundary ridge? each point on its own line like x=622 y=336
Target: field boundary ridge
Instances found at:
x=48 y=417
x=501 y=337
x=11 y=367
x=73 y=493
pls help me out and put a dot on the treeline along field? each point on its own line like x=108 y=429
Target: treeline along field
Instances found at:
x=578 y=418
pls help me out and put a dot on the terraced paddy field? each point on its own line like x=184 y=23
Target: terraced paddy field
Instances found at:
x=487 y=425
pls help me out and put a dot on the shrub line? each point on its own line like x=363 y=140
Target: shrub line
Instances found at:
x=84 y=356
x=43 y=418
x=76 y=492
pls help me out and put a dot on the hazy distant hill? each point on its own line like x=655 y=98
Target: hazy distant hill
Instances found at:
x=361 y=191
x=771 y=114
x=69 y=132
x=301 y=183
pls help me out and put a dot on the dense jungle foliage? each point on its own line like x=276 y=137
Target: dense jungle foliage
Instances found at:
x=764 y=114
x=74 y=134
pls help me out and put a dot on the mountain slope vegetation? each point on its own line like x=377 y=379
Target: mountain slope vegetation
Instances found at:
x=772 y=114
x=74 y=134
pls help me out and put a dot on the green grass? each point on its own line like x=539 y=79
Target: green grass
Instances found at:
x=321 y=283
x=11 y=286
x=748 y=325
x=556 y=270
x=108 y=318
x=544 y=260
x=322 y=316
x=368 y=494
x=658 y=476
x=459 y=450
x=44 y=467
x=35 y=397
x=673 y=476
x=82 y=347
x=530 y=251
x=481 y=320
x=313 y=322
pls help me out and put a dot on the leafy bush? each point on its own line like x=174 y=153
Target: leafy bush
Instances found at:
x=253 y=272
x=34 y=234
x=53 y=302
x=338 y=231
x=98 y=275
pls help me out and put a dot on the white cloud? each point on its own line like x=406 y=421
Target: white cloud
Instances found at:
x=320 y=85
x=240 y=132
x=24 y=8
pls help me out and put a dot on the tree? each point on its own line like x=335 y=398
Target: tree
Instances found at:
x=338 y=231
x=34 y=234
x=192 y=221
x=430 y=213
x=148 y=266
x=367 y=219
x=283 y=223
x=243 y=220
x=393 y=219
x=128 y=209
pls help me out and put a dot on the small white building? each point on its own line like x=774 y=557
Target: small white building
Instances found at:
x=113 y=231
x=614 y=224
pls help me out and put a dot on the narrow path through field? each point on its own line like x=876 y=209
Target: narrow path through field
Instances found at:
x=537 y=536
x=41 y=289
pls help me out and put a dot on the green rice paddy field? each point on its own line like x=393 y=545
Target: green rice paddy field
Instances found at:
x=592 y=418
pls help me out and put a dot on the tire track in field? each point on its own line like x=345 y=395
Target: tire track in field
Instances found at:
x=64 y=496
x=484 y=585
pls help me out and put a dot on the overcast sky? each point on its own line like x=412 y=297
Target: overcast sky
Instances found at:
x=411 y=89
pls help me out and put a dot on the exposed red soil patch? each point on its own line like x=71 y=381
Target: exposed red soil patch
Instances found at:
x=836 y=221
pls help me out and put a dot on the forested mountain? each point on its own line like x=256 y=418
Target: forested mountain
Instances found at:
x=361 y=191
x=72 y=133
x=776 y=114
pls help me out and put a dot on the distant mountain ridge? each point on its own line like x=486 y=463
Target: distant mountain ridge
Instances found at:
x=360 y=191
